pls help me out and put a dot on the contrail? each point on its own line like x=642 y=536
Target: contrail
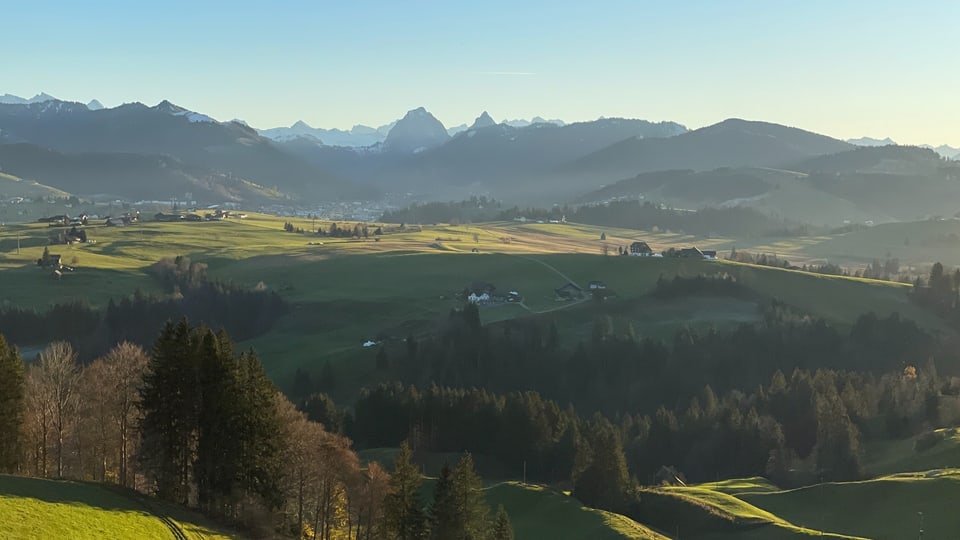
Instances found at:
x=506 y=73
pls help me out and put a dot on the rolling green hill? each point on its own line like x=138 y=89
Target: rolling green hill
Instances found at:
x=885 y=508
x=42 y=509
x=12 y=186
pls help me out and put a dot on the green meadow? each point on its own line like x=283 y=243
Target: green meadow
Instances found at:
x=34 y=508
x=344 y=292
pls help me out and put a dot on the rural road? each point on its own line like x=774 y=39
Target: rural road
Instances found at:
x=551 y=267
x=175 y=529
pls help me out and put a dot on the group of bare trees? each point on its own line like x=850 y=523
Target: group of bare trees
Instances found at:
x=325 y=488
x=79 y=421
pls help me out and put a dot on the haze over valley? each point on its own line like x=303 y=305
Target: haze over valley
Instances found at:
x=497 y=271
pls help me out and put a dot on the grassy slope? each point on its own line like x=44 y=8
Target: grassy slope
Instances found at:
x=13 y=186
x=701 y=512
x=536 y=512
x=34 y=508
x=888 y=457
x=884 y=508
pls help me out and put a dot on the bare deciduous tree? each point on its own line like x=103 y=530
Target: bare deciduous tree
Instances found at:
x=58 y=377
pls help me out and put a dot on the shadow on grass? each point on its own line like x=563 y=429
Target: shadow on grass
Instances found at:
x=67 y=492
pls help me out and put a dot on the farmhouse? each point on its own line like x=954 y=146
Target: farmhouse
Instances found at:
x=168 y=217
x=690 y=253
x=710 y=254
x=61 y=219
x=481 y=287
x=640 y=249
x=569 y=291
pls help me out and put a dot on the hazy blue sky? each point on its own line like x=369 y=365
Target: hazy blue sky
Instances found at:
x=845 y=68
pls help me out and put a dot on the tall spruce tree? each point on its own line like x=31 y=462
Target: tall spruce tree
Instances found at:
x=471 y=506
x=169 y=406
x=605 y=481
x=12 y=387
x=215 y=467
x=405 y=518
x=259 y=432
x=444 y=520
x=502 y=530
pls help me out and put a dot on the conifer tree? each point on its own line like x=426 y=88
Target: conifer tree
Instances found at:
x=605 y=481
x=169 y=407
x=218 y=444
x=444 y=521
x=502 y=530
x=405 y=518
x=12 y=388
x=258 y=431
x=471 y=506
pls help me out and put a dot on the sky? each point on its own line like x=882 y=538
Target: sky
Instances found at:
x=846 y=68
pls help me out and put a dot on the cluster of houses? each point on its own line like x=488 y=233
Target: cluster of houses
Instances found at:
x=481 y=292
x=642 y=249
x=64 y=220
x=128 y=218
x=217 y=215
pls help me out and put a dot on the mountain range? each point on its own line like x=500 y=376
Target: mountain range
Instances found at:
x=136 y=152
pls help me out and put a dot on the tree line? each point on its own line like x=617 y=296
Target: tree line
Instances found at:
x=642 y=215
x=616 y=370
x=194 y=422
x=244 y=313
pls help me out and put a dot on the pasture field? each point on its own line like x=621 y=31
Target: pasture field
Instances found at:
x=895 y=456
x=890 y=507
x=344 y=292
x=704 y=513
x=34 y=509
x=537 y=512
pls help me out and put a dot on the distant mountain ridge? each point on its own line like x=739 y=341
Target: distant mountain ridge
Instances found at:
x=109 y=176
x=870 y=141
x=357 y=136
x=870 y=183
x=944 y=150
x=731 y=143
x=10 y=99
x=196 y=140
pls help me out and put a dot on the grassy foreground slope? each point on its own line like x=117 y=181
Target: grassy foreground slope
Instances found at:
x=889 y=507
x=536 y=512
x=888 y=457
x=38 y=509
x=704 y=513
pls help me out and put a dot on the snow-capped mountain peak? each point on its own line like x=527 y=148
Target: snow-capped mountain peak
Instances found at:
x=176 y=110
x=10 y=99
